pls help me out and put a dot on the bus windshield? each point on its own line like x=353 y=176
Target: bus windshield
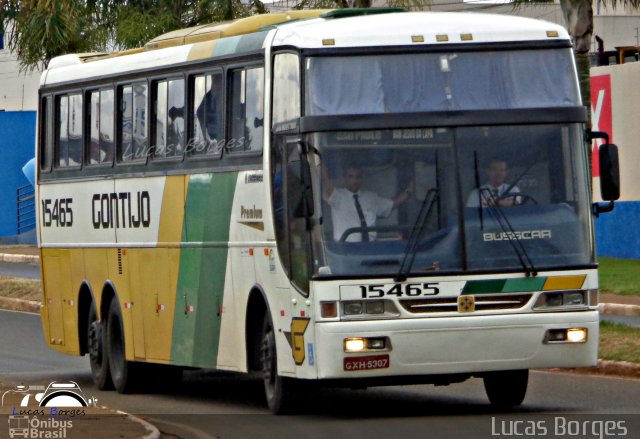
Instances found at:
x=478 y=80
x=485 y=198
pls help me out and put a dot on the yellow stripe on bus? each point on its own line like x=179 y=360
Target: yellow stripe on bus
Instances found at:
x=564 y=282
x=172 y=213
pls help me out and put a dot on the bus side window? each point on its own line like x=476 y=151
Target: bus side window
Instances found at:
x=169 y=118
x=106 y=126
x=247 y=110
x=133 y=142
x=206 y=115
x=46 y=133
x=286 y=87
x=100 y=113
x=62 y=131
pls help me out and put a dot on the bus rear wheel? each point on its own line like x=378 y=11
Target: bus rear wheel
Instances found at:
x=278 y=389
x=507 y=388
x=124 y=374
x=96 y=342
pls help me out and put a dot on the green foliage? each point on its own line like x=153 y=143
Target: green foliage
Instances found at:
x=38 y=30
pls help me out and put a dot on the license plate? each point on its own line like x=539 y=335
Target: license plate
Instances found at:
x=366 y=363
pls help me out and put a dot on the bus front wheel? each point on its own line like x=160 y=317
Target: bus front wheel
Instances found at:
x=506 y=388
x=123 y=373
x=96 y=342
x=278 y=389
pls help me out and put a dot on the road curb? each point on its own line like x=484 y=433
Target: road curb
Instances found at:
x=12 y=304
x=619 y=309
x=153 y=432
x=607 y=367
x=29 y=259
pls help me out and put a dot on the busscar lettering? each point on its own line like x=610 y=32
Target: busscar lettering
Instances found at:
x=522 y=235
x=121 y=210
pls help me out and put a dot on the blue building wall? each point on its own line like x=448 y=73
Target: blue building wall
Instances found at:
x=618 y=232
x=17 y=146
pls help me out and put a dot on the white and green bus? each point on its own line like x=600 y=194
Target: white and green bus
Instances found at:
x=187 y=215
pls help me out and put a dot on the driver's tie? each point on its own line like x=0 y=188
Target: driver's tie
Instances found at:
x=363 y=223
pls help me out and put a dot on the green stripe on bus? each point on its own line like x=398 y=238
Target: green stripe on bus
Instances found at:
x=483 y=286
x=524 y=284
x=196 y=330
x=504 y=285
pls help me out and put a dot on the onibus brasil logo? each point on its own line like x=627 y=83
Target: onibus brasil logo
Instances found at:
x=46 y=414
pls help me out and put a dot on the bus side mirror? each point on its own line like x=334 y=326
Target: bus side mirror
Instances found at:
x=609 y=178
x=609 y=172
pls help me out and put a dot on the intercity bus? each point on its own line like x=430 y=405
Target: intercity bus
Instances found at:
x=183 y=222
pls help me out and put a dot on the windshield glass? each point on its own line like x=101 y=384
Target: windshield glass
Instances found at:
x=480 y=80
x=447 y=200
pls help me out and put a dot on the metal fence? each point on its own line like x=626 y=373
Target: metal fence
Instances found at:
x=26 y=208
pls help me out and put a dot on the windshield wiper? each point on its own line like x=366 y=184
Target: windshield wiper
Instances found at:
x=507 y=229
x=416 y=234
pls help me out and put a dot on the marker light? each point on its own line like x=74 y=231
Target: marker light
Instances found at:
x=328 y=309
x=354 y=344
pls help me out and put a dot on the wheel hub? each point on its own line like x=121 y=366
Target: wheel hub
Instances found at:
x=95 y=341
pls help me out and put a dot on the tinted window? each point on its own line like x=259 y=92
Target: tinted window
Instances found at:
x=169 y=136
x=69 y=131
x=133 y=122
x=207 y=137
x=247 y=110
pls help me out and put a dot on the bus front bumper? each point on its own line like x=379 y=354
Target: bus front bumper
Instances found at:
x=455 y=345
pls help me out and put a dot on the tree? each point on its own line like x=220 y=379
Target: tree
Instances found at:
x=38 y=30
x=578 y=17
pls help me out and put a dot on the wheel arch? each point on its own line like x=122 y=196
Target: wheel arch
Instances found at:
x=257 y=306
x=85 y=299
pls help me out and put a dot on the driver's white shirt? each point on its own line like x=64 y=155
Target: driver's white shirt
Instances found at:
x=485 y=193
x=345 y=215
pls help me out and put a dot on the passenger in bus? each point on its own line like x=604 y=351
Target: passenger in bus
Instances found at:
x=495 y=191
x=352 y=207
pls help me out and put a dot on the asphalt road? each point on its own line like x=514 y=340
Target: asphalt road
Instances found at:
x=214 y=405
x=28 y=271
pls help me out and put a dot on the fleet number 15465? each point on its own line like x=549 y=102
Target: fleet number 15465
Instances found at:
x=411 y=290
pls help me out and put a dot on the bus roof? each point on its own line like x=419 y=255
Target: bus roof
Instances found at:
x=303 y=30
x=416 y=28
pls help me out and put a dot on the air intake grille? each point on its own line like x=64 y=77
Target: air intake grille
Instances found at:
x=120 y=261
x=484 y=302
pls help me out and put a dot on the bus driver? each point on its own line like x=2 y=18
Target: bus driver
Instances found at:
x=352 y=207
x=495 y=190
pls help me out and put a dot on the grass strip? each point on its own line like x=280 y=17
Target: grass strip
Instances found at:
x=620 y=276
x=619 y=342
x=18 y=288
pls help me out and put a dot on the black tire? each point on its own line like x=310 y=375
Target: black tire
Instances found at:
x=507 y=388
x=98 y=358
x=125 y=375
x=279 y=391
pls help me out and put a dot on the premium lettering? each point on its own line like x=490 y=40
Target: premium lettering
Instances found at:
x=250 y=213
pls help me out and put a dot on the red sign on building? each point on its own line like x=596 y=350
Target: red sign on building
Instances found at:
x=600 y=114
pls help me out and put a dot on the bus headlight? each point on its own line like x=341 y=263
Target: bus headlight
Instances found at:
x=570 y=335
x=366 y=344
x=561 y=299
x=366 y=309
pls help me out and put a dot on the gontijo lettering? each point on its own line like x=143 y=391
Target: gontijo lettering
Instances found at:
x=121 y=210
